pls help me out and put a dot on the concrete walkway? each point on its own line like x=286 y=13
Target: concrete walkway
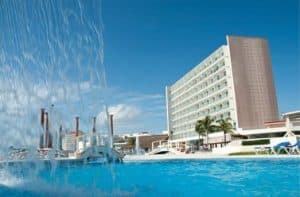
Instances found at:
x=202 y=156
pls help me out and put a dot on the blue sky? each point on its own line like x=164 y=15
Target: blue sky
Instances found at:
x=57 y=52
x=149 y=44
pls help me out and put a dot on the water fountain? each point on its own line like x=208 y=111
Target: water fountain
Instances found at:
x=137 y=145
x=51 y=55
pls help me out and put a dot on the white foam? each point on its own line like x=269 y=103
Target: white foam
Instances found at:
x=9 y=180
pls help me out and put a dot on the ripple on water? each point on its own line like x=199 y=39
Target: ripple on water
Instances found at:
x=167 y=178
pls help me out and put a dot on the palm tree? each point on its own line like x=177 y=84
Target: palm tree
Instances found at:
x=200 y=130
x=225 y=126
x=206 y=126
x=171 y=134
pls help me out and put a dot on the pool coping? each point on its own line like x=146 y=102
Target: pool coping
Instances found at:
x=133 y=158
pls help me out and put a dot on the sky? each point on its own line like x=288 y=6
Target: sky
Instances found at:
x=151 y=44
x=82 y=55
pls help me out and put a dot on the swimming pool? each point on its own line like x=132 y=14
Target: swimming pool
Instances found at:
x=226 y=177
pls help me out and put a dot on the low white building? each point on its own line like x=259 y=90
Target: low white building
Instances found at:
x=286 y=130
x=290 y=123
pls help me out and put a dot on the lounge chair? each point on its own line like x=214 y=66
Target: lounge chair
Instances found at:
x=295 y=148
x=281 y=146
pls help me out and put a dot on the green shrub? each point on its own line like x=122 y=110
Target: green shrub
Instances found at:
x=256 y=142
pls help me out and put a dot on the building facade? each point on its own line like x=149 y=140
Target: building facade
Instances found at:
x=68 y=141
x=234 y=82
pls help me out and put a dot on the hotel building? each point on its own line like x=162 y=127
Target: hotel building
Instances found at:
x=234 y=82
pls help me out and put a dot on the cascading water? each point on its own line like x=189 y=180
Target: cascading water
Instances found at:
x=51 y=56
x=137 y=145
x=51 y=52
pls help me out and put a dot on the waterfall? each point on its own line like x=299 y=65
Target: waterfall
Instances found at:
x=137 y=145
x=51 y=52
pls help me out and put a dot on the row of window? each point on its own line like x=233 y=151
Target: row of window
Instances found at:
x=200 y=67
x=202 y=104
x=191 y=126
x=199 y=87
x=213 y=109
x=184 y=135
x=200 y=78
x=177 y=109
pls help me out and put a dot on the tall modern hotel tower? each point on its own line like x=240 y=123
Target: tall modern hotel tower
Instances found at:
x=235 y=81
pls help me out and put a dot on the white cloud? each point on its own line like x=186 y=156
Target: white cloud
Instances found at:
x=123 y=113
x=42 y=92
x=150 y=108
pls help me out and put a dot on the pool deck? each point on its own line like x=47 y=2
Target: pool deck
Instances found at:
x=202 y=156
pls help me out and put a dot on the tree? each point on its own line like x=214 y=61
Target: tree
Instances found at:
x=200 y=130
x=206 y=126
x=171 y=134
x=225 y=126
x=131 y=142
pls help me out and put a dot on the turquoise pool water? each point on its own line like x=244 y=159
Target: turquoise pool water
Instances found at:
x=232 y=177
